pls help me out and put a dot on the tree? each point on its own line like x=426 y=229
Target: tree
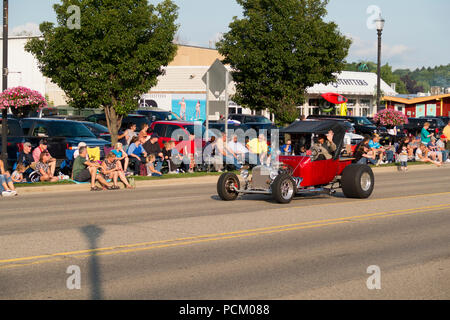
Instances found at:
x=279 y=49
x=114 y=56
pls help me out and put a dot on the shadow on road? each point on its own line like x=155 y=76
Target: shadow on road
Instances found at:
x=92 y=234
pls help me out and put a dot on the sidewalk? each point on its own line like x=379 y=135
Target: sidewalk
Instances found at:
x=189 y=181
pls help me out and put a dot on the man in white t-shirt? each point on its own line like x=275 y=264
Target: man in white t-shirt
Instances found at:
x=238 y=148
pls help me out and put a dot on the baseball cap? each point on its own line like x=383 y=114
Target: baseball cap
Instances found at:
x=443 y=137
x=43 y=142
x=82 y=144
x=154 y=135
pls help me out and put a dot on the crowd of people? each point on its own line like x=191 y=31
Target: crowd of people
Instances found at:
x=140 y=153
x=424 y=147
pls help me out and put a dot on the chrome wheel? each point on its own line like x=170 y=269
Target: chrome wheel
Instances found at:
x=287 y=189
x=366 y=181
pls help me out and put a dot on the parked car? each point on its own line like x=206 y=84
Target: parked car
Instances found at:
x=43 y=113
x=158 y=114
x=231 y=126
x=361 y=124
x=15 y=139
x=61 y=135
x=415 y=125
x=247 y=118
x=297 y=175
x=131 y=118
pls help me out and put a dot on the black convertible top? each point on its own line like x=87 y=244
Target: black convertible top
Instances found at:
x=319 y=127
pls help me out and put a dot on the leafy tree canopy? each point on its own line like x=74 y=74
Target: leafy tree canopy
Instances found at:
x=114 y=57
x=279 y=49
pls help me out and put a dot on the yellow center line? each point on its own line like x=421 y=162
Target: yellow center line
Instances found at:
x=214 y=237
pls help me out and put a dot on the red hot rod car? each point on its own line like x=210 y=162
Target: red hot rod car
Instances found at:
x=294 y=175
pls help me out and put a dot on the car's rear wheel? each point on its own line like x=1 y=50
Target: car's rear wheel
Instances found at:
x=357 y=181
x=283 y=188
x=227 y=185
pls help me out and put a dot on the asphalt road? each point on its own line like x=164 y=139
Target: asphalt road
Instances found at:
x=182 y=242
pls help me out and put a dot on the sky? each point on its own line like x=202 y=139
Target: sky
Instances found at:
x=416 y=32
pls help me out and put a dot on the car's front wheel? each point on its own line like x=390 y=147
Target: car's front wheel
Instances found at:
x=283 y=188
x=357 y=181
x=227 y=185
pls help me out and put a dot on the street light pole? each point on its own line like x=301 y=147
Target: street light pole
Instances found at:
x=5 y=83
x=380 y=25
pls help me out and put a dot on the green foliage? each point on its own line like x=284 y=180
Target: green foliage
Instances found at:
x=279 y=49
x=114 y=57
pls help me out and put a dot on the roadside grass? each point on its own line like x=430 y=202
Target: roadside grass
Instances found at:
x=42 y=184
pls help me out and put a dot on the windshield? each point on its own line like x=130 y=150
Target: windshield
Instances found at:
x=260 y=119
x=97 y=127
x=363 y=121
x=192 y=129
x=70 y=130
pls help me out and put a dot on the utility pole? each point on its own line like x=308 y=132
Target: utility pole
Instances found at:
x=5 y=83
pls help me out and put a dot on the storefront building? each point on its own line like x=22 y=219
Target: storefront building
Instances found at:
x=430 y=106
x=358 y=87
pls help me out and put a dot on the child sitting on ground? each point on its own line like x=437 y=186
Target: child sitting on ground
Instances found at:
x=17 y=175
x=151 y=171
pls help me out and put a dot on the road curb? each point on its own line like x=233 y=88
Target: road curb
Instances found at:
x=179 y=181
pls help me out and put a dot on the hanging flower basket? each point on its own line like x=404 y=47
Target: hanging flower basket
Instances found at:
x=22 y=101
x=390 y=118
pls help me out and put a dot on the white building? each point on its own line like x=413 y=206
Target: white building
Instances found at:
x=358 y=87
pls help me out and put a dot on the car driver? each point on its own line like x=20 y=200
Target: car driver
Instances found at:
x=324 y=148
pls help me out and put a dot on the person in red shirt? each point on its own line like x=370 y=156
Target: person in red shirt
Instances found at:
x=43 y=146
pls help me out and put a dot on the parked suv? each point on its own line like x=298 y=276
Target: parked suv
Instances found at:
x=247 y=118
x=61 y=135
x=362 y=125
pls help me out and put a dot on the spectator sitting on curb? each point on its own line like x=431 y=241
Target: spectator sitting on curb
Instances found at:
x=151 y=171
x=167 y=153
x=151 y=146
x=18 y=175
x=363 y=154
x=6 y=184
x=128 y=135
x=258 y=150
x=422 y=155
x=77 y=152
x=111 y=169
x=434 y=152
x=377 y=149
x=43 y=146
x=122 y=157
x=85 y=170
x=136 y=154
x=26 y=158
x=179 y=160
x=43 y=168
